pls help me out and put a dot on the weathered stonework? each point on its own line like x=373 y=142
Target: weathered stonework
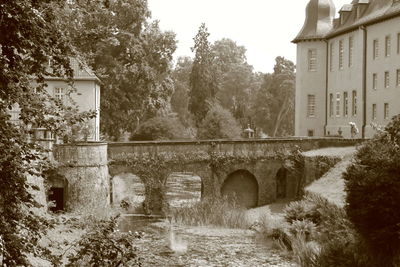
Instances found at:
x=84 y=166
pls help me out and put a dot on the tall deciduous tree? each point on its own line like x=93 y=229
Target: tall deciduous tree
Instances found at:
x=30 y=38
x=180 y=97
x=131 y=56
x=234 y=76
x=203 y=79
x=273 y=107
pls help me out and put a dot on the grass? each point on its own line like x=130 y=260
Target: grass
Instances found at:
x=331 y=185
x=212 y=212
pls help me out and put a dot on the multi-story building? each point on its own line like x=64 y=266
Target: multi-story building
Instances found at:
x=348 y=68
x=86 y=96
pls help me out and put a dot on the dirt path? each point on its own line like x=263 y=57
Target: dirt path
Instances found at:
x=207 y=247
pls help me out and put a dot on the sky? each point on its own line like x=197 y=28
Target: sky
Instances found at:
x=265 y=27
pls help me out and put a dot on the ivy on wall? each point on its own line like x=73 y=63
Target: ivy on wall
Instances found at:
x=153 y=169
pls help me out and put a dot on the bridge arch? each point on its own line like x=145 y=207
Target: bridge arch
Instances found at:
x=128 y=190
x=243 y=185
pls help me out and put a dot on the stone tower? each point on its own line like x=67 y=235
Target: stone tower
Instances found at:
x=311 y=76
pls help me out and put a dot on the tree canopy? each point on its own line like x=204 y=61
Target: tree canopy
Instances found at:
x=203 y=79
x=131 y=56
x=31 y=37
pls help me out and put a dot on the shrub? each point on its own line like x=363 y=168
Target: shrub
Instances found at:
x=304 y=228
x=104 y=245
x=373 y=192
x=302 y=210
x=160 y=128
x=217 y=212
x=218 y=123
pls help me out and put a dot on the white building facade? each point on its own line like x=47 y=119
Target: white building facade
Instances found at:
x=348 y=68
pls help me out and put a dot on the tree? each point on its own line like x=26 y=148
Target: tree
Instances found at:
x=160 y=128
x=273 y=107
x=234 y=76
x=180 y=97
x=203 y=79
x=30 y=38
x=131 y=56
x=373 y=194
x=218 y=123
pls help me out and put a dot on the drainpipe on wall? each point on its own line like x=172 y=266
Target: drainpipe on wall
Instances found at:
x=364 y=80
x=326 y=86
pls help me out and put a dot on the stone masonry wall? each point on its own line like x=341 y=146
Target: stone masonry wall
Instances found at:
x=84 y=166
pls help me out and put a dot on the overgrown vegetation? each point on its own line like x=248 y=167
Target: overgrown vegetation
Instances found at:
x=373 y=193
x=319 y=234
x=160 y=128
x=221 y=212
x=218 y=123
x=104 y=245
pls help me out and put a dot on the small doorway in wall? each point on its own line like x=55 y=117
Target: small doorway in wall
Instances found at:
x=56 y=196
x=281 y=183
x=310 y=133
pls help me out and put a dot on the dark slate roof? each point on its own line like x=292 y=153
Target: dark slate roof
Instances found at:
x=318 y=22
x=81 y=72
x=375 y=11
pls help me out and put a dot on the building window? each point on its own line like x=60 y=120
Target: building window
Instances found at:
x=311 y=106
x=387 y=79
x=310 y=133
x=398 y=77
x=398 y=43
x=374 y=81
x=354 y=103
x=331 y=105
x=338 y=105
x=331 y=57
x=59 y=93
x=386 y=111
x=387 y=46
x=351 y=49
x=341 y=54
x=376 y=49
x=373 y=111
x=345 y=104
x=312 y=59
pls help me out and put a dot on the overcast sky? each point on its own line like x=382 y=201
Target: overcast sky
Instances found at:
x=264 y=27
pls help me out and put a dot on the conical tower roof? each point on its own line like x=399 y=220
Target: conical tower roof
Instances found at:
x=319 y=20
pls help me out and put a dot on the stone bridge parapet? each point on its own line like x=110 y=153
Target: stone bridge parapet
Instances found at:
x=248 y=168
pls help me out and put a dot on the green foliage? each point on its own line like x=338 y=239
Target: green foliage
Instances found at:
x=218 y=212
x=160 y=128
x=104 y=245
x=373 y=192
x=130 y=56
x=273 y=105
x=302 y=210
x=218 y=123
x=180 y=97
x=234 y=76
x=30 y=38
x=321 y=235
x=203 y=80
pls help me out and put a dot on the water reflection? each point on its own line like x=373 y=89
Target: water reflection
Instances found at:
x=183 y=189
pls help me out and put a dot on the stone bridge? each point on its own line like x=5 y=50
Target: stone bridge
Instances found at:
x=257 y=172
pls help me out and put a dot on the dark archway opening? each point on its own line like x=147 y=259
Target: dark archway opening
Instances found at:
x=56 y=196
x=243 y=186
x=281 y=183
